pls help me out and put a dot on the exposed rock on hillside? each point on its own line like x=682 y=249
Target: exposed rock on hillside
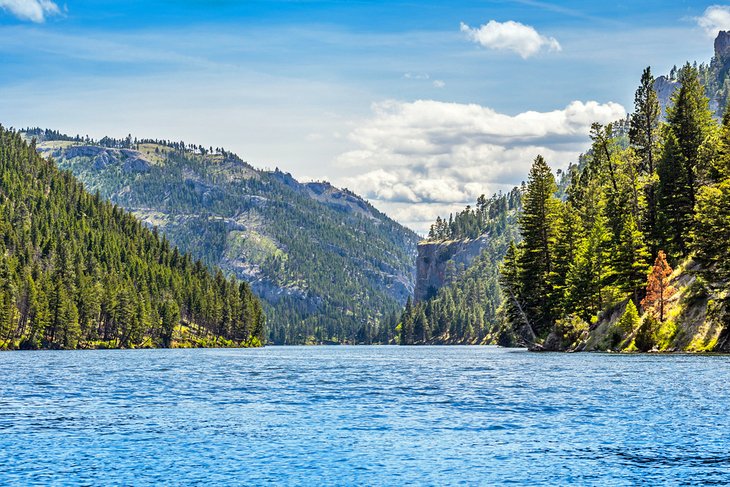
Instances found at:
x=326 y=261
x=434 y=259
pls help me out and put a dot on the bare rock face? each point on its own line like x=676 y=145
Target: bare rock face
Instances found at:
x=433 y=258
x=722 y=45
x=664 y=88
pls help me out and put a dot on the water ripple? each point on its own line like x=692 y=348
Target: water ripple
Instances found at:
x=362 y=415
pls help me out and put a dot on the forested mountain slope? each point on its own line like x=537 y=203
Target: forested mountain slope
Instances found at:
x=328 y=265
x=629 y=253
x=596 y=271
x=79 y=272
x=459 y=266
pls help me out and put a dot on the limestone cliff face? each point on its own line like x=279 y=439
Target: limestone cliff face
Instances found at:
x=432 y=261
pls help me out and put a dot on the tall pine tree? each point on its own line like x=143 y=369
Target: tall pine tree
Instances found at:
x=538 y=227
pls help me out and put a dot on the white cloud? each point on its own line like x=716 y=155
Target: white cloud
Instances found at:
x=437 y=83
x=419 y=76
x=512 y=36
x=714 y=19
x=440 y=155
x=33 y=10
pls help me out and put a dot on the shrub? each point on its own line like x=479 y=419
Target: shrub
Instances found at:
x=571 y=330
x=646 y=335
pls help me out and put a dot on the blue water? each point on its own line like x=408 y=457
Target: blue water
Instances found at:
x=362 y=415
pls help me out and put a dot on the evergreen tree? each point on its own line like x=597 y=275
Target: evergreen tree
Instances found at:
x=538 y=228
x=421 y=327
x=689 y=123
x=569 y=236
x=644 y=135
x=676 y=205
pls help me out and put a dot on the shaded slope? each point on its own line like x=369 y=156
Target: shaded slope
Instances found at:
x=325 y=261
x=77 y=271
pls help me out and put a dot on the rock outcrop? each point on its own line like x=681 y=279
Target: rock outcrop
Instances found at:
x=433 y=259
x=664 y=88
x=722 y=45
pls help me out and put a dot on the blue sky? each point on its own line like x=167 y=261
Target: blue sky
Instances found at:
x=418 y=106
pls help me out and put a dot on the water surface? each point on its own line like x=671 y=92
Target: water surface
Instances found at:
x=362 y=415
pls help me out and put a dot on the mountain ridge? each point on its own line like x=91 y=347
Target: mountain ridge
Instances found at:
x=307 y=248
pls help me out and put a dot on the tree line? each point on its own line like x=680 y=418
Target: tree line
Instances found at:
x=648 y=195
x=77 y=271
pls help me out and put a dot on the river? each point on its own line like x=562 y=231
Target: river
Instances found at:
x=362 y=415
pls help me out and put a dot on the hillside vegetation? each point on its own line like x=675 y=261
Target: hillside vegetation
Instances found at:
x=328 y=266
x=631 y=255
x=79 y=272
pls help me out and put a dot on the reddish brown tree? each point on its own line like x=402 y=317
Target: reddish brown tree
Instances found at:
x=658 y=287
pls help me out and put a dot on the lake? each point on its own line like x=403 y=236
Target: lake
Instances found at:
x=362 y=415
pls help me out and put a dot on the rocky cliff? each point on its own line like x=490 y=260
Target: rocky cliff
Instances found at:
x=433 y=260
x=714 y=76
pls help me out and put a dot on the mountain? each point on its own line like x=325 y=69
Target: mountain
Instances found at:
x=328 y=265
x=457 y=293
x=628 y=251
x=714 y=76
x=80 y=272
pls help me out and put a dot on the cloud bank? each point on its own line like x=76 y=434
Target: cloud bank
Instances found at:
x=439 y=156
x=33 y=10
x=511 y=36
x=714 y=19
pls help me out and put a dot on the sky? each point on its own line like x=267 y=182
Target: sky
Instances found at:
x=418 y=106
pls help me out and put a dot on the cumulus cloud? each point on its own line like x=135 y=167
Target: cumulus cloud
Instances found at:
x=511 y=36
x=440 y=155
x=714 y=19
x=33 y=10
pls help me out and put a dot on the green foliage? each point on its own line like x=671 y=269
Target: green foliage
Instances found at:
x=646 y=335
x=629 y=320
x=645 y=137
x=76 y=271
x=689 y=123
x=538 y=226
x=488 y=216
x=328 y=265
x=571 y=330
x=711 y=233
x=466 y=309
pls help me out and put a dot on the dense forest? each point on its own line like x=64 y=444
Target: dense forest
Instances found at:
x=79 y=272
x=328 y=266
x=465 y=309
x=649 y=196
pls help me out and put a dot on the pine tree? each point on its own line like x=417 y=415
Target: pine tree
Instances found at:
x=676 y=206
x=421 y=328
x=689 y=123
x=406 y=331
x=588 y=272
x=629 y=320
x=509 y=280
x=644 y=135
x=538 y=226
x=711 y=235
x=631 y=259
x=569 y=236
x=658 y=287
